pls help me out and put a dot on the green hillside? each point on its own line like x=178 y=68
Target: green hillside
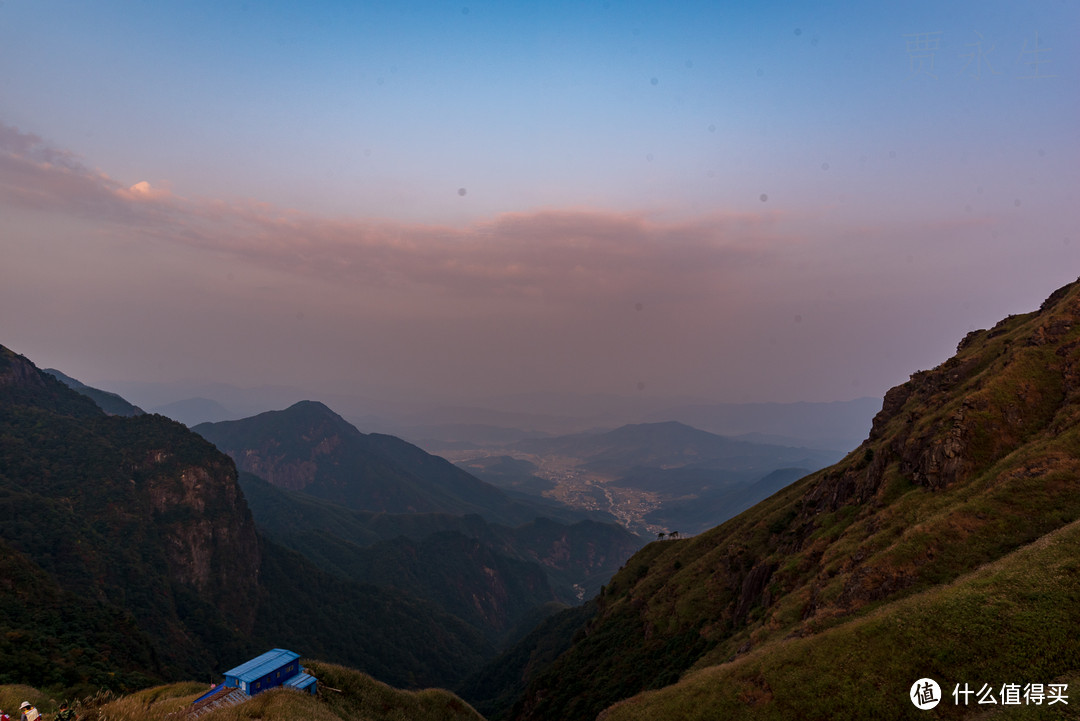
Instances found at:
x=61 y=639
x=462 y=576
x=863 y=577
x=494 y=689
x=576 y=558
x=129 y=556
x=130 y=517
x=1003 y=623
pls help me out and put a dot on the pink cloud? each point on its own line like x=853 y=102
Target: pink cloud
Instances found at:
x=143 y=191
x=35 y=175
x=33 y=148
x=548 y=252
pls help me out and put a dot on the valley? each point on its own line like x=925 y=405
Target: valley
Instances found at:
x=499 y=572
x=640 y=474
x=577 y=488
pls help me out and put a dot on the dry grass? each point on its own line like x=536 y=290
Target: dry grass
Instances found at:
x=12 y=696
x=864 y=668
x=345 y=695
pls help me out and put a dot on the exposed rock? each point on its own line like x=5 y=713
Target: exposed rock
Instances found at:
x=210 y=538
x=753 y=588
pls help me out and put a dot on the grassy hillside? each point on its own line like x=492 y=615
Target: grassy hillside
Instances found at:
x=966 y=465
x=346 y=695
x=494 y=689
x=1003 y=623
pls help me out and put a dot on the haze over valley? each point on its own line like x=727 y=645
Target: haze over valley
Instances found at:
x=564 y=361
x=594 y=453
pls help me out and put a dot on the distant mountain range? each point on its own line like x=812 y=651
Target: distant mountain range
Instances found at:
x=487 y=422
x=694 y=479
x=839 y=425
x=307 y=447
x=111 y=403
x=373 y=507
x=944 y=547
x=673 y=445
x=836 y=425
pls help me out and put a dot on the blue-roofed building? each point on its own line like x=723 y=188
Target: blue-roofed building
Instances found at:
x=278 y=667
x=273 y=668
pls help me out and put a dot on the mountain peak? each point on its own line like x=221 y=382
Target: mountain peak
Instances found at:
x=316 y=413
x=311 y=407
x=300 y=419
x=309 y=447
x=1004 y=386
x=17 y=370
x=23 y=383
x=663 y=426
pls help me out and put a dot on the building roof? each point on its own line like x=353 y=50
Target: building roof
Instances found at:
x=259 y=666
x=301 y=682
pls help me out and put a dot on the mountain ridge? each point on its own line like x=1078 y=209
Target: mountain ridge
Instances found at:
x=669 y=444
x=138 y=530
x=965 y=464
x=311 y=448
x=111 y=403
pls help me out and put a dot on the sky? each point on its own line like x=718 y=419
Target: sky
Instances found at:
x=778 y=201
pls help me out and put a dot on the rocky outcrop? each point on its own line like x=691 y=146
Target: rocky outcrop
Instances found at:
x=753 y=591
x=16 y=371
x=292 y=475
x=210 y=539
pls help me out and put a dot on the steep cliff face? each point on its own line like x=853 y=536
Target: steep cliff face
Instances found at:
x=17 y=372
x=22 y=383
x=208 y=534
x=966 y=464
x=138 y=513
